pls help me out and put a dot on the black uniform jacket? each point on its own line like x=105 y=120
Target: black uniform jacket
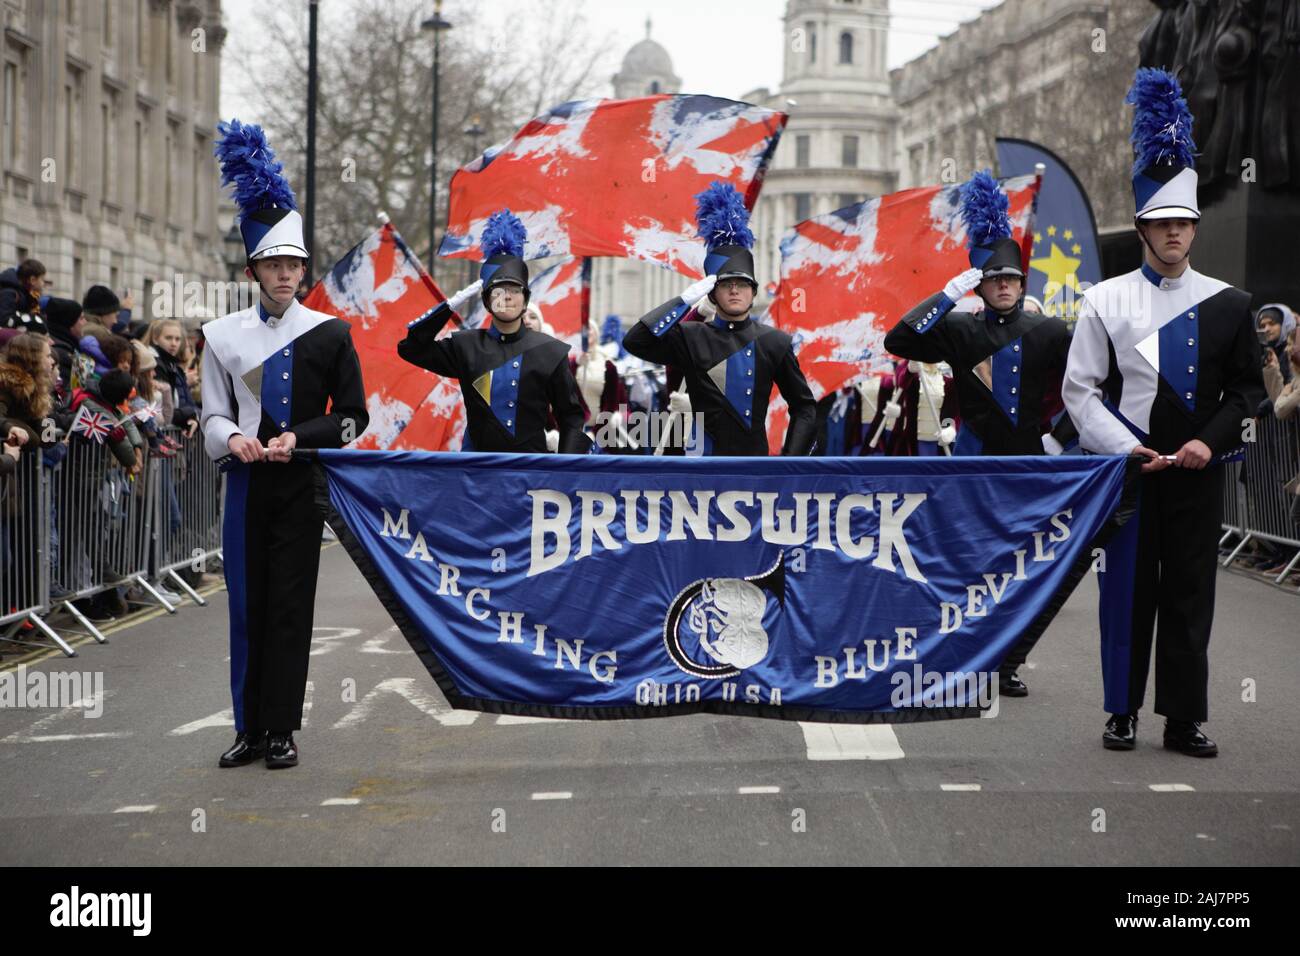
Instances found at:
x=1026 y=352
x=510 y=383
x=730 y=368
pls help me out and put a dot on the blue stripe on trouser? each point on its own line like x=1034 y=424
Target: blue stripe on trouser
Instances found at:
x=235 y=564
x=1115 y=609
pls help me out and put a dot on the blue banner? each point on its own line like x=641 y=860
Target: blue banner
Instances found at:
x=1066 y=259
x=837 y=589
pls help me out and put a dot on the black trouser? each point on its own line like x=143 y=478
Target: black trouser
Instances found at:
x=271 y=538
x=1158 y=588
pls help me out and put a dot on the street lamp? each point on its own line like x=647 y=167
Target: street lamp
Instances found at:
x=233 y=243
x=474 y=131
x=438 y=26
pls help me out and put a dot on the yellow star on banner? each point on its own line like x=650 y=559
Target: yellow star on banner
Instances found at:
x=1069 y=234
x=1051 y=230
x=1059 y=268
x=1076 y=248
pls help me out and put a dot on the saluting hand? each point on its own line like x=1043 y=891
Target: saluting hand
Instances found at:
x=464 y=295
x=965 y=282
x=698 y=290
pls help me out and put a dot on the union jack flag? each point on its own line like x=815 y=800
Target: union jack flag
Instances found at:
x=847 y=276
x=94 y=425
x=379 y=287
x=615 y=177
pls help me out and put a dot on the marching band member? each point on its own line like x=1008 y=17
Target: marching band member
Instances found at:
x=1165 y=364
x=1006 y=362
x=512 y=377
x=276 y=377
x=730 y=361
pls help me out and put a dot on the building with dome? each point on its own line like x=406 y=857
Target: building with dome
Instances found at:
x=838 y=148
x=629 y=288
x=647 y=70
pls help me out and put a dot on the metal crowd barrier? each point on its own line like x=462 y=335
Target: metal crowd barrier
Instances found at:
x=85 y=526
x=96 y=523
x=1255 y=505
x=187 y=511
x=25 y=552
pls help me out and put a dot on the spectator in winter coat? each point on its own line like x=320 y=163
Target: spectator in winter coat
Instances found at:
x=20 y=294
x=167 y=336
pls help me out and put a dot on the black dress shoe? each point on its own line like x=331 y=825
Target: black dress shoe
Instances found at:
x=1185 y=736
x=248 y=747
x=1121 y=732
x=1010 y=685
x=281 y=751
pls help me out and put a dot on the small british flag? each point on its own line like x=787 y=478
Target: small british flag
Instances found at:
x=94 y=425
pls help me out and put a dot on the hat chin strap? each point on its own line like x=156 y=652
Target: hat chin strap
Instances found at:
x=1183 y=258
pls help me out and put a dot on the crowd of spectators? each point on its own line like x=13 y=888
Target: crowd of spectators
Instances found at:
x=88 y=371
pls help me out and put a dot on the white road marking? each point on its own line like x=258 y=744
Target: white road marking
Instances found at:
x=138 y=808
x=226 y=718
x=1171 y=787
x=405 y=687
x=959 y=786
x=851 y=741
x=758 y=790
x=553 y=795
x=222 y=718
x=324 y=643
x=82 y=706
x=340 y=802
x=376 y=644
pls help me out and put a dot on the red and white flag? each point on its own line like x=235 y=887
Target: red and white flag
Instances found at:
x=379 y=287
x=848 y=276
x=615 y=177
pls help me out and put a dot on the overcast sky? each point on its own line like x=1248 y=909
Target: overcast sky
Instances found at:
x=722 y=47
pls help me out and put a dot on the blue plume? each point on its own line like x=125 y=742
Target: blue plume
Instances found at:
x=503 y=232
x=248 y=162
x=984 y=209
x=1162 y=123
x=722 y=217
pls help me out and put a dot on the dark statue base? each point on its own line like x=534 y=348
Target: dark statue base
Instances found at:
x=1247 y=237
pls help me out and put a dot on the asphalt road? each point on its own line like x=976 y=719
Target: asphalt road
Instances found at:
x=397 y=778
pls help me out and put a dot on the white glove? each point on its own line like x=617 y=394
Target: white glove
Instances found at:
x=679 y=403
x=892 y=411
x=947 y=435
x=914 y=366
x=1051 y=445
x=698 y=290
x=959 y=285
x=552 y=440
x=706 y=309
x=464 y=295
